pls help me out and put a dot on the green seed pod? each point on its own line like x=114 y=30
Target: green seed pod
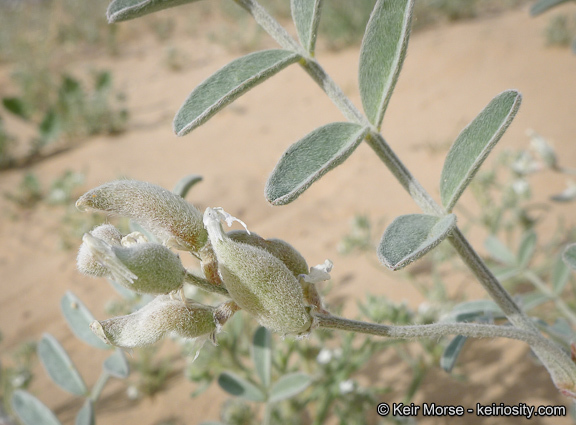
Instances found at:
x=147 y=268
x=257 y=281
x=169 y=217
x=86 y=262
x=277 y=247
x=162 y=316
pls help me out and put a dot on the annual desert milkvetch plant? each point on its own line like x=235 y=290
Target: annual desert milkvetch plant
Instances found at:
x=268 y=279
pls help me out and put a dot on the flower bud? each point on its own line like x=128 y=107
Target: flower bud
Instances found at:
x=168 y=216
x=277 y=247
x=162 y=316
x=257 y=281
x=86 y=262
x=146 y=267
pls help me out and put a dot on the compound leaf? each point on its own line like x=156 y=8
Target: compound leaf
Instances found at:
x=233 y=384
x=411 y=236
x=227 y=84
x=306 y=16
x=310 y=158
x=59 y=366
x=382 y=54
x=474 y=144
x=124 y=10
x=32 y=411
x=289 y=386
x=79 y=318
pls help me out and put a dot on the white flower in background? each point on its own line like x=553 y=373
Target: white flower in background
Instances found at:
x=347 y=386
x=521 y=187
x=324 y=356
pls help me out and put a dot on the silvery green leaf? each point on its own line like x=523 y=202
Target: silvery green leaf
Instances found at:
x=185 y=184
x=306 y=16
x=117 y=365
x=262 y=354
x=499 y=251
x=310 y=158
x=560 y=275
x=59 y=366
x=474 y=144
x=451 y=353
x=503 y=273
x=562 y=328
x=542 y=6
x=32 y=411
x=123 y=10
x=411 y=236
x=527 y=247
x=288 y=386
x=86 y=415
x=79 y=318
x=471 y=310
x=569 y=256
x=382 y=54
x=533 y=300
x=233 y=384
x=227 y=84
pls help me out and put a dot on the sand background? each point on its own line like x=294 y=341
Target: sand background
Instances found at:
x=449 y=75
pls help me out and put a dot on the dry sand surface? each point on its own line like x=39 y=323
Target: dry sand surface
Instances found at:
x=449 y=75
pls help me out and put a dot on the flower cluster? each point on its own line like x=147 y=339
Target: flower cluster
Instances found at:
x=267 y=278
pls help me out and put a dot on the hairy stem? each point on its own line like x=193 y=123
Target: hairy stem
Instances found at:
x=562 y=369
x=99 y=386
x=202 y=283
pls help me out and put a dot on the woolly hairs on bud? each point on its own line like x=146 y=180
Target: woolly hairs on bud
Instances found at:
x=168 y=216
x=86 y=262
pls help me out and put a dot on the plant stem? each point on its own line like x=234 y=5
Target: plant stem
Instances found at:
x=559 y=365
x=204 y=284
x=434 y=330
x=267 y=413
x=560 y=304
x=99 y=386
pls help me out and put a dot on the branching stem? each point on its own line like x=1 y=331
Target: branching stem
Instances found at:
x=559 y=365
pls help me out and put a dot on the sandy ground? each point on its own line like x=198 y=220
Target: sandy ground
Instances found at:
x=449 y=75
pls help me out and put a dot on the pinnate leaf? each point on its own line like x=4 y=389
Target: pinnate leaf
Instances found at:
x=289 y=386
x=310 y=158
x=382 y=55
x=32 y=411
x=79 y=318
x=124 y=10
x=227 y=84
x=233 y=384
x=306 y=16
x=474 y=144
x=59 y=366
x=411 y=236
